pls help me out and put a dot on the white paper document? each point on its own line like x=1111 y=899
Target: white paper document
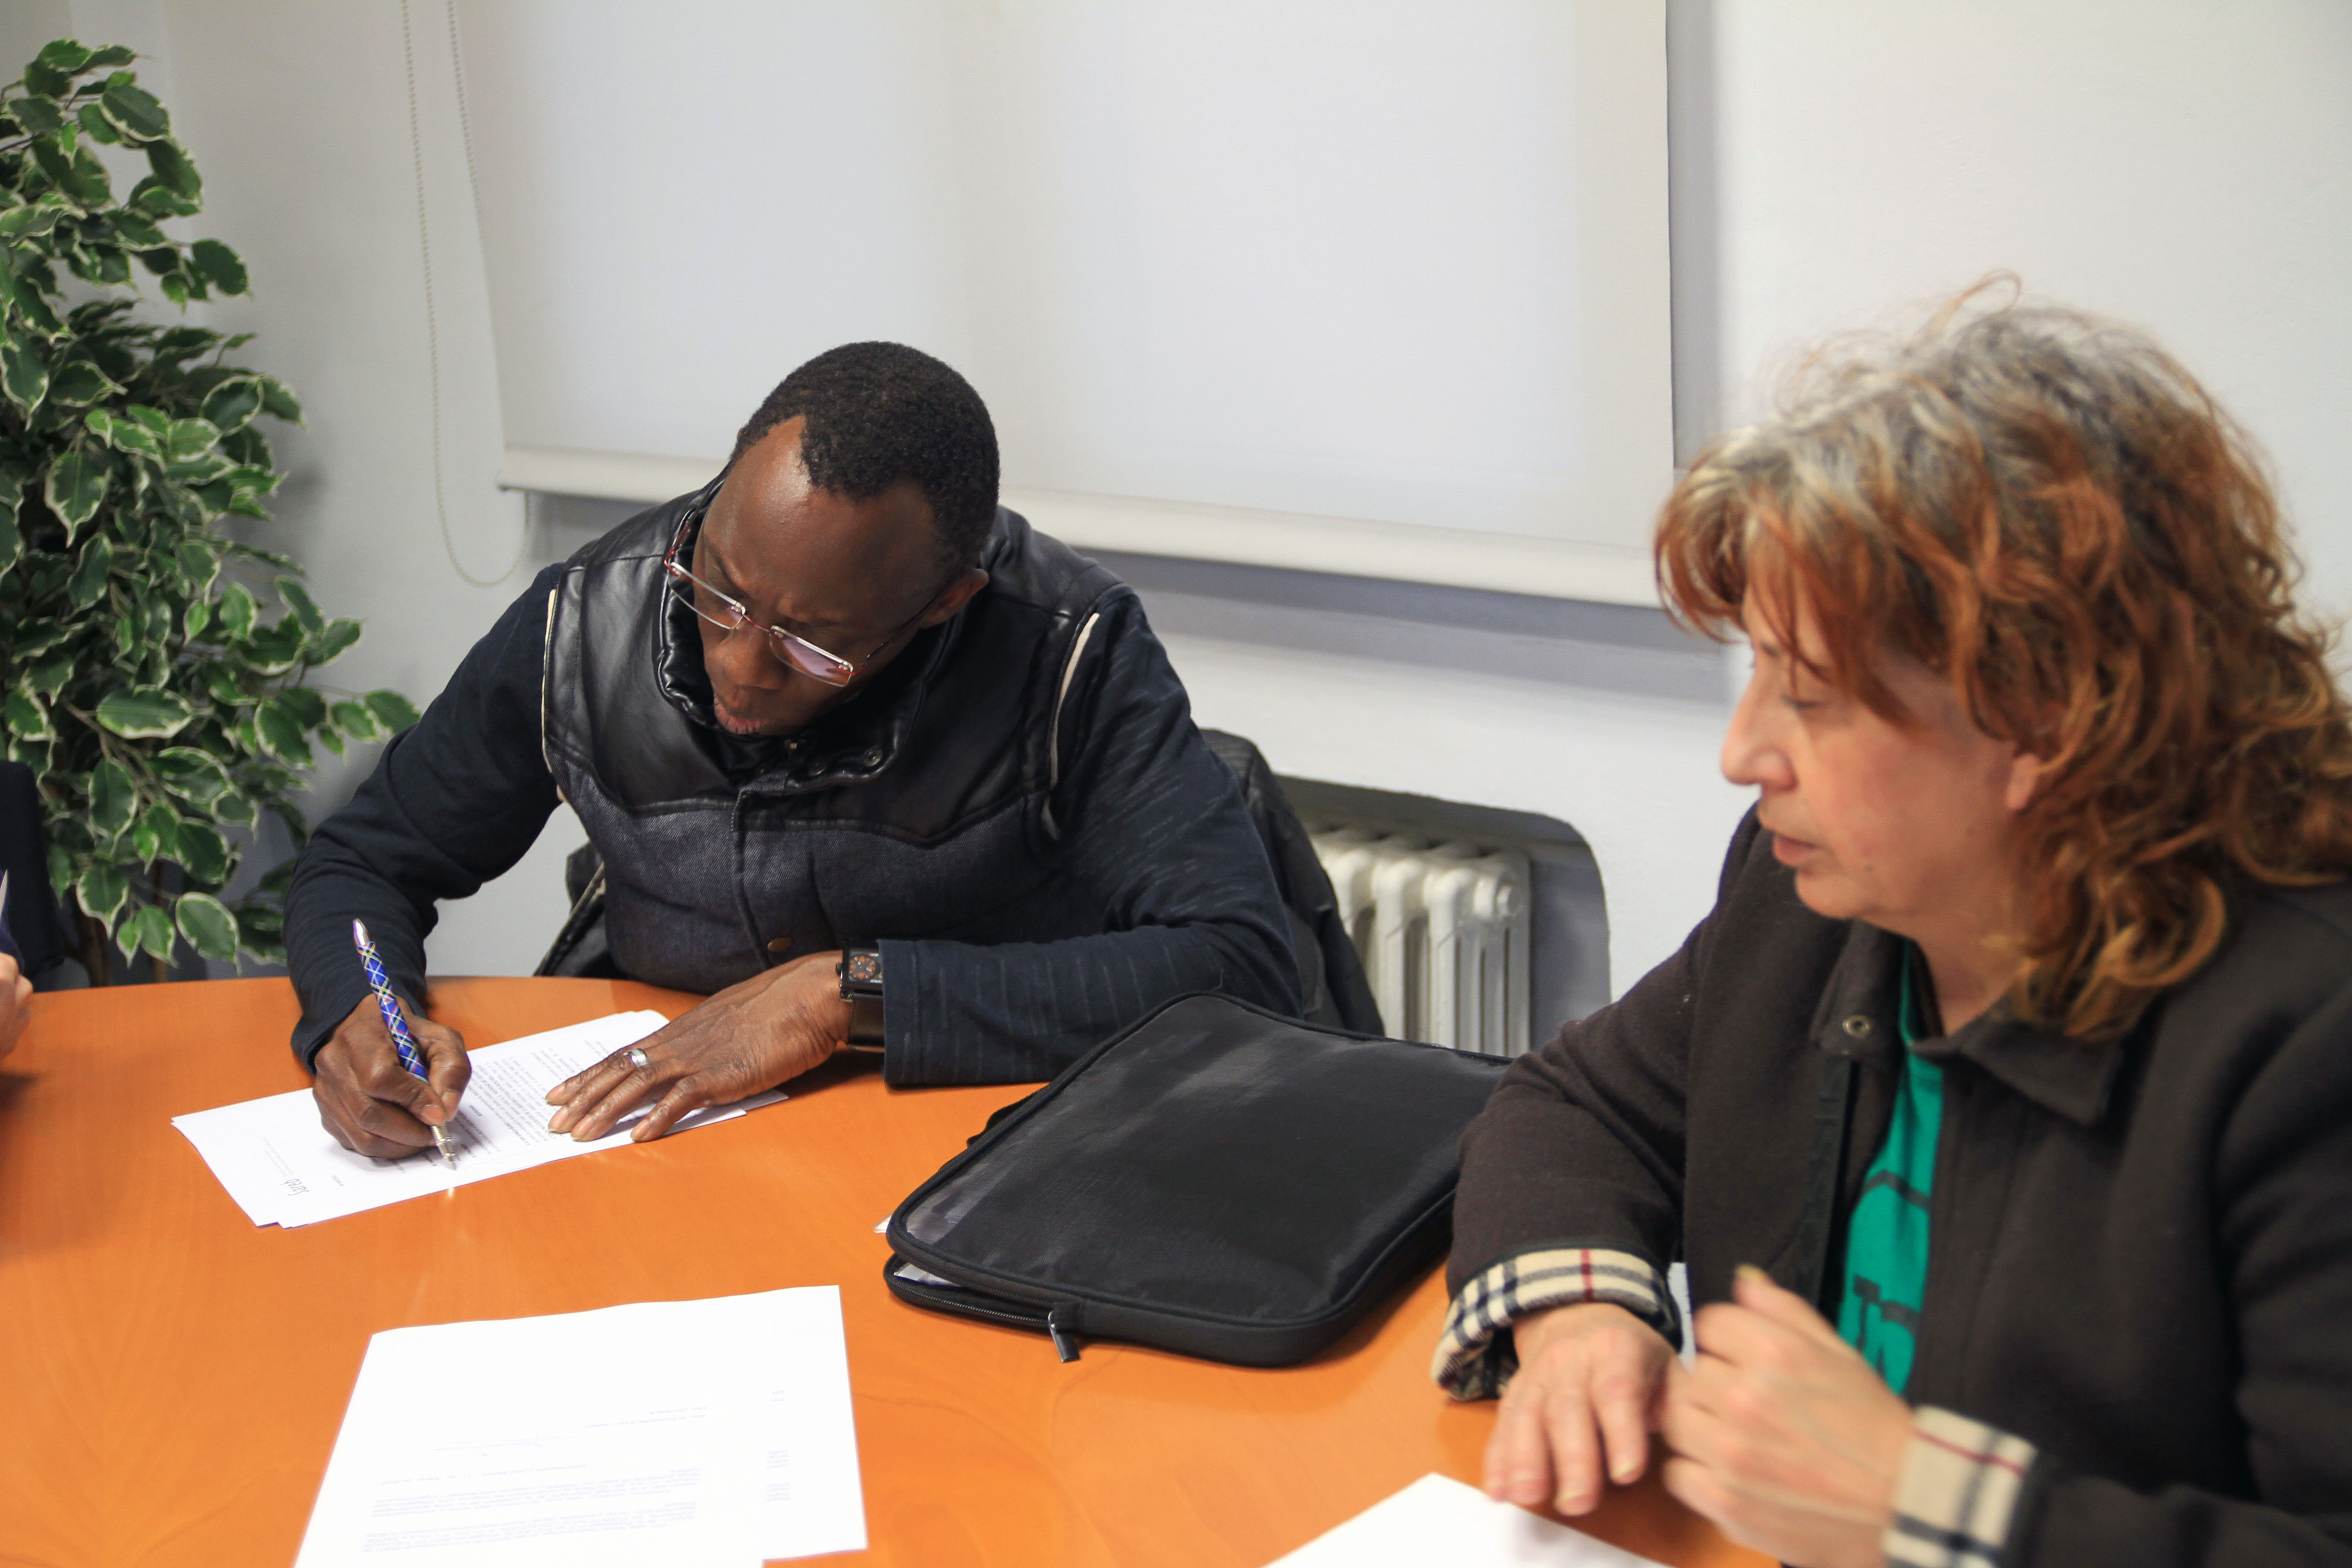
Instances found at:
x=679 y=1433
x=284 y=1168
x=1438 y=1523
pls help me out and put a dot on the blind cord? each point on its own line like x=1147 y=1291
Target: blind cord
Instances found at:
x=424 y=251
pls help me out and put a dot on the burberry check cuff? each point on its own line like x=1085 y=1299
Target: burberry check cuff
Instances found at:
x=1961 y=1480
x=1475 y=1358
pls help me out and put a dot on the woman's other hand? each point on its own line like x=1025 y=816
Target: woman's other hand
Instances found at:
x=15 y=1003
x=1782 y=1433
x=1586 y=1395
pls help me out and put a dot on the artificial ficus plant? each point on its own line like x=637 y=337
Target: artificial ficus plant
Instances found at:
x=155 y=674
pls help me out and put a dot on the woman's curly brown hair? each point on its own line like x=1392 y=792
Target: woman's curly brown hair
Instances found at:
x=2049 y=512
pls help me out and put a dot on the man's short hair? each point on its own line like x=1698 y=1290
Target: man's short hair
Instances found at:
x=879 y=413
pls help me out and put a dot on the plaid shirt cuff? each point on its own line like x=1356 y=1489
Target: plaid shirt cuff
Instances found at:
x=1961 y=1485
x=1475 y=1358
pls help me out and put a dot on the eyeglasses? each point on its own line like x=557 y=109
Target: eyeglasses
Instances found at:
x=732 y=614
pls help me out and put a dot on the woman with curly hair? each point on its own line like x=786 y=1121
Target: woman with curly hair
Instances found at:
x=2002 y=1107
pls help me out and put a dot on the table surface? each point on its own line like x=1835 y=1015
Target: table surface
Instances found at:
x=174 y=1375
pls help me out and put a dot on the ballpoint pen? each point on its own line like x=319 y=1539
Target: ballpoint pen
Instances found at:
x=406 y=1042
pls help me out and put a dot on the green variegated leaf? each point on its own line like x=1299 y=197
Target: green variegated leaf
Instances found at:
x=149 y=929
x=334 y=642
x=393 y=710
x=233 y=807
x=173 y=168
x=96 y=126
x=280 y=731
x=110 y=55
x=308 y=707
x=197 y=563
x=188 y=439
x=135 y=114
x=194 y=776
x=101 y=890
x=38 y=115
x=27 y=719
x=196 y=618
x=143 y=715
x=81 y=383
x=63 y=56
x=12 y=495
x=136 y=231
x=333 y=740
x=12 y=543
x=76 y=485
x=34 y=640
x=23 y=375
x=204 y=853
x=207 y=924
x=220 y=681
x=50 y=676
x=88 y=584
x=113 y=798
x=298 y=599
x=279 y=402
x=200 y=470
x=86 y=181
x=273 y=649
x=154 y=198
x=156 y=835
x=219 y=264
x=125 y=435
x=357 y=722
x=237 y=610
x=234 y=402
x=61 y=871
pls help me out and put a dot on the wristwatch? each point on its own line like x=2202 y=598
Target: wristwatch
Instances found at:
x=861 y=986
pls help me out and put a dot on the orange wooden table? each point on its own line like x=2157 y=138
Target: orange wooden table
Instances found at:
x=172 y=1376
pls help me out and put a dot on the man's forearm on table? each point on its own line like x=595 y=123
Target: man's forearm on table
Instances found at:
x=961 y=1013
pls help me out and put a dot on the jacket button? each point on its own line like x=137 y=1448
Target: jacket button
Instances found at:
x=1857 y=1026
x=780 y=944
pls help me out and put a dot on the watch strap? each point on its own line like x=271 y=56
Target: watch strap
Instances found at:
x=861 y=987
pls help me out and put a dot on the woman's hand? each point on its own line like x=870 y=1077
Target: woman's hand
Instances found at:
x=1587 y=1389
x=15 y=995
x=748 y=1038
x=1784 y=1437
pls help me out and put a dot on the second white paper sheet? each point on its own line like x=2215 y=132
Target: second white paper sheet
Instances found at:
x=528 y=1441
x=1438 y=1523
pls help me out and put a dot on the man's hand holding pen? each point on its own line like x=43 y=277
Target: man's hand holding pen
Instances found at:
x=370 y=1103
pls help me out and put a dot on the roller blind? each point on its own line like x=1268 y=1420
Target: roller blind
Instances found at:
x=1348 y=283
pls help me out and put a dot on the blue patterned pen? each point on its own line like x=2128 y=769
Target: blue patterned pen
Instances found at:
x=406 y=1042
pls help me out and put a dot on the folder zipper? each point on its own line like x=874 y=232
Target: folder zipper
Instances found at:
x=1066 y=1335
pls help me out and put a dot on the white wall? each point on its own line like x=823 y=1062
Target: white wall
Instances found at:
x=2181 y=165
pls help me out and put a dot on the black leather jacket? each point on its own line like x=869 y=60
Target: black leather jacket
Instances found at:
x=1019 y=810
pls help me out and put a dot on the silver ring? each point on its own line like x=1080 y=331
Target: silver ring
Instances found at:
x=636 y=1057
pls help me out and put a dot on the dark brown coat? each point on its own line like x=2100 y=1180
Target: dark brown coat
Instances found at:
x=2141 y=1253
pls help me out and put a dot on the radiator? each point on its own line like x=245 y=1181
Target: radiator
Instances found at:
x=1442 y=930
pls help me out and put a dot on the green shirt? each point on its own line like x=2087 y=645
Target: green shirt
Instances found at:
x=1887 y=1236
